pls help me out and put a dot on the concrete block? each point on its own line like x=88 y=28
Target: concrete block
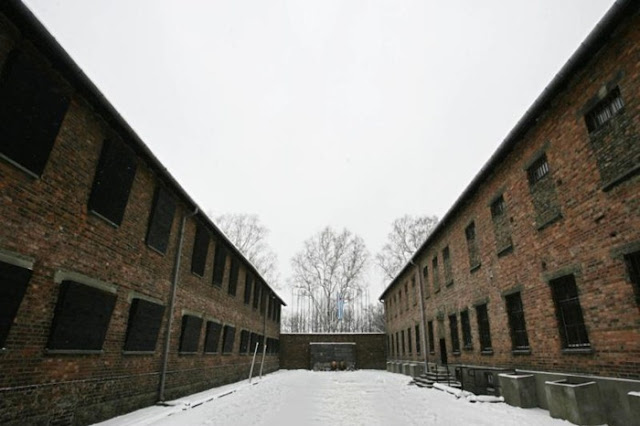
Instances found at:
x=416 y=369
x=519 y=390
x=389 y=366
x=634 y=405
x=575 y=401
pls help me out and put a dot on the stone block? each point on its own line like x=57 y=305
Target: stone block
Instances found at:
x=519 y=390
x=576 y=401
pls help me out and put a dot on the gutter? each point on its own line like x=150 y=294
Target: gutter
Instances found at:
x=621 y=10
x=172 y=303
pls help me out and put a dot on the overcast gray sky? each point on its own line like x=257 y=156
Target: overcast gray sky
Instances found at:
x=311 y=113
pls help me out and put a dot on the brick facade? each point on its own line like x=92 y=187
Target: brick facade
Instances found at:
x=370 y=349
x=549 y=232
x=48 y=229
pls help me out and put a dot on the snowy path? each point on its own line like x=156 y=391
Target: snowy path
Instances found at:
x=367 y=397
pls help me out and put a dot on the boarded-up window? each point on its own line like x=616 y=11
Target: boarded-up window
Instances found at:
x=244 y=341
x=233 y=276
x=144 y=325
x=472 y=246
x=248 y=284
x=32 y=107
x=81 y=317
x=160 y=220
x=13 y=286
x=501 y=226
x=112 y=182
x=190 y=335
x=425 y=280
x=448 y=272
x=436 y=274
x=200 y=249
x=219 y=261
x=212 y=337
x=228 y=336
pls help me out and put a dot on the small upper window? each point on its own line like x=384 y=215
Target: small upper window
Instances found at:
x=164 y=208
x=498 y=207
x=604 y=110
x=112 y=183
x=233 y=276
x=538 y=170
x=248 y=284
x=32 y=107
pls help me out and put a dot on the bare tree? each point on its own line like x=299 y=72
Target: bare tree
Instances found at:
x=328 y=269
x=249 y=235
x=406 y=236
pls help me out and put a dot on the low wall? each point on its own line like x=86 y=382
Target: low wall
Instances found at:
x=370 y=349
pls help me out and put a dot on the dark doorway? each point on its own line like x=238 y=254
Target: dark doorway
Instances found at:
x=443 y=352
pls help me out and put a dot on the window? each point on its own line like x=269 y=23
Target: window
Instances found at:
x=390 y=344
x=501 y=226
x=436 y=280
x=614 y=139
x=417 y=338
x=81 y=317
x=264 y=295
x=253 y=341
x=517 y=326
x=415 y=290
x=393 y=348
x=160 y=220
x=406 y=292
x=397 y=344
x=233 y=276
x=244 y=341
x=425 y=279
x=604 y=110
x=633 y=266
x=409 y=340
x=432 y=346
x=543 y=193
x=472 y=245
x=466 y=329
x=279 y=306
x=144 y=325
x=212 y=337
x=32 y=107
x=538 y=170
x=399 y=300
x=200 y=249
x=455 y=341
x=248 y=283
x=483 y=328
x=257 y=290
x=112 y=182
x=402 y=337
x=190 y=335
x=219 y=263
x=13 y=286
x=228 y=335
x=446 y=259
x=569 y=313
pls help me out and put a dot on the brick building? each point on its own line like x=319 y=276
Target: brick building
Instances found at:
x=115 y=291
x=536 y=266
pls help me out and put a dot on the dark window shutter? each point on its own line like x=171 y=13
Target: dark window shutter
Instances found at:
x=212 y=338
x=160 y=220
x=253 y=340
x=200 y=249
x=219 y=261
x=32 y=107
x=190 y=336
x=244 y=341
x=233 y=276
x=144 y=325
x=112 y=183
x=13 y=286
x=81 y=317
x=228 y=336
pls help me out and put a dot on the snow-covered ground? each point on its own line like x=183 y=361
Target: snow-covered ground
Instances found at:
x=301 y=397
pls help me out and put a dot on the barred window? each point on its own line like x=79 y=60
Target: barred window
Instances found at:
x=517 y=325
x=472 y=245
x=569 y=313
x=498 y=207
x=604 y=110
x=538 y=170
x=436 y=279
x=425 y=279
x=455 y=341
x=432 y=346
x=466 y=329
x=448 y=272
x=418 y=338
x=483 y=327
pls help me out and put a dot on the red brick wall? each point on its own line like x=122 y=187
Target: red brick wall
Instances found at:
x=46 y=220
x=598 y=225
x=370 y=349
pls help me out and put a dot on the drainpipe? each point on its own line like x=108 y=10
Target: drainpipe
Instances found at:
x=172 y=302
x=424 y=320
